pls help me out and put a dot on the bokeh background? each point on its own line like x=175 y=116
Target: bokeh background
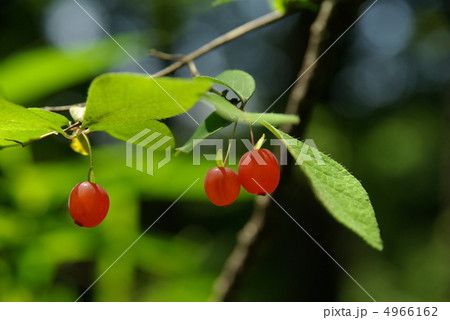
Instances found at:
x=384 y=115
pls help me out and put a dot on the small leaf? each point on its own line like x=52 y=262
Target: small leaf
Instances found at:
x=130 y=100
x=260 y=142
x=23 y=125
x=219 y=158
x=339 y=191
x=211 y=125
x=230 y=112
x=79 y=145
x=242 y=84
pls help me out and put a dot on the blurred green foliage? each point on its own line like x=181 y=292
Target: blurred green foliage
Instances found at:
x=47 y=70
x=40 y=245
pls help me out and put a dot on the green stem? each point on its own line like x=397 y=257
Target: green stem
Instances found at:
x=230 y=141
x=91 y=176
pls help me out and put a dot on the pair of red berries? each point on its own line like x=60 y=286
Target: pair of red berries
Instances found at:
x=258 y=173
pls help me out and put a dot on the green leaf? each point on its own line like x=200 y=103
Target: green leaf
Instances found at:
x=53 y=117
x=338 y=190
x=127 y=101
x=230 y=112
x=79 y=145
x=211 y=125
x=242 y=84
x=32 y=74
x=23 y=125
x=153 y=129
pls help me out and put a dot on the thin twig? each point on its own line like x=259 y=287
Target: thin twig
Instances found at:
x=34 y=140
x=249 y=238
x=63 y=108
x=193 y=69
x=233 y=34
x=73 y=126
x=165 y=55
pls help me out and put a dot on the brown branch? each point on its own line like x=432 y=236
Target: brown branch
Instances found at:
x=184 y=59
x=231 y=35
x=63 y=108
x=193 y=69
x=302 y=87
x=249 y=238
x=164 y=55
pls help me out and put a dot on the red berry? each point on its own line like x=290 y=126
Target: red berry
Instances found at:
x=222 y=186
x=88 y=204
x=262 y=166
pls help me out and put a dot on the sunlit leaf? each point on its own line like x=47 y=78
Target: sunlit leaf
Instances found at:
x=23 y=125
x=53 y=117
x=242 y=84
x=79 y=145
x=230 y=112
x=125 y=104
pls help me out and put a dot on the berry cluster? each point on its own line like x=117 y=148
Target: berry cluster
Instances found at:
x=258 y=173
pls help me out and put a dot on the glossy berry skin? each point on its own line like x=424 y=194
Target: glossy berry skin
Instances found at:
x=261 y=165
x=222 y=186
x=88 y=204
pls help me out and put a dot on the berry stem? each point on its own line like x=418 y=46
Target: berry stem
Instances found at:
x=251 y=134
x=219 y=158
x=230 y=141
x=91 y=176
